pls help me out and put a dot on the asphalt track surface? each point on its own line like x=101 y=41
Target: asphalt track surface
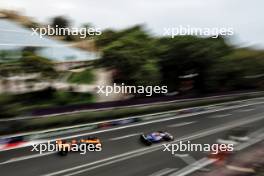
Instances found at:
x=124 y=155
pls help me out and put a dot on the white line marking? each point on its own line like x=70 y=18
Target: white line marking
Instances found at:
x=123 y=137
x=226 y=141
x=157 y=103
x=193 y=167
x=26 y=144
x=186 y=158
x=164 y=172
x=158 y=120
x=127 y=126
x=220 y=116
x=250 y=142
x=246 y=110
x=12 y=160
x=181 y=124
x=147 y=115
x=181 y=155
x=100 y=165
x=186 y=170
x=240 y=139
x=241 y=169
x=140 y=152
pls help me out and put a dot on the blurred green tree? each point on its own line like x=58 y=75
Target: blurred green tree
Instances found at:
x=186 y=55
x=209 y=64
x=60 y=22
x=31 y=63
x=132 y=53
x=241 y=69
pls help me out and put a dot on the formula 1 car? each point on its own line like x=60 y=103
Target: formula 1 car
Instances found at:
x=91 y=143
x=156 y=137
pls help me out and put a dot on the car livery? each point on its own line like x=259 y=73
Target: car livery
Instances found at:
x=156 y=137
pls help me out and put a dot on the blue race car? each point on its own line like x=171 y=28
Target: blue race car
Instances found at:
x=156 y=137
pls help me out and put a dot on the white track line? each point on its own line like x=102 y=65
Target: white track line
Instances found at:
x=12 y=160
x=157 y=103
x=193 y=167
x=164 y=172
x=181 y=124
x=241 y=169
x=251 y=142
x=188 y=159
x=133 y=125
x=158 y=120
x=246 y=110
x=140 y=116
x=123 y=137
x=220 y=116
x=142 y=151
x=105 y=163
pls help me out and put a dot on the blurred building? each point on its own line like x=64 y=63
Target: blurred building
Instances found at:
x=15 y=37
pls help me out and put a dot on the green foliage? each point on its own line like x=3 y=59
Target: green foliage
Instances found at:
x=185 y=55
x=84 y=77
x=139 y=58
x=13 y=105
x=132 y=54
x=31 y=63
x=27 y=63
x=60 y=22
x=241 y=69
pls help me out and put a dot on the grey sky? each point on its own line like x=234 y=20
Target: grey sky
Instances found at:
x=245 y=16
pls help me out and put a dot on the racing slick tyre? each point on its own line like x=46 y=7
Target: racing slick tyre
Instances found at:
x=168 y=138
x=145 y=141
x=63 y=152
